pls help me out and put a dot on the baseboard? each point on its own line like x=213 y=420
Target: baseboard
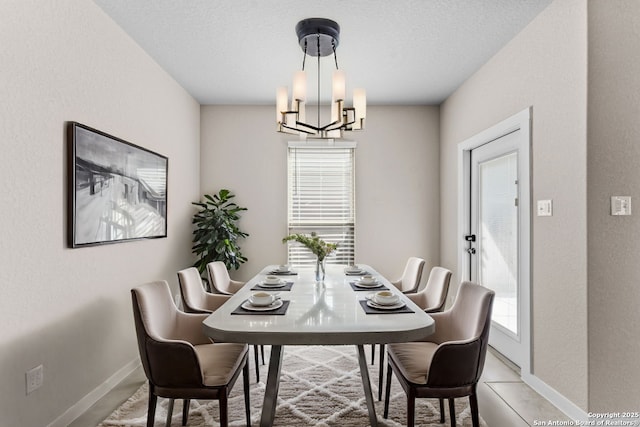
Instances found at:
x=570 y=409
x=99 y=392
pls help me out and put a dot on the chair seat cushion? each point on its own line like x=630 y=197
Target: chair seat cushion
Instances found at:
x=413 y=359
x=219 y=362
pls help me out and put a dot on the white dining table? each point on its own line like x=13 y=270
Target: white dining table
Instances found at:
x=318 y=313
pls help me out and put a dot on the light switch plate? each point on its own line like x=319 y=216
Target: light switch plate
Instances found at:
x=620 y=205
x=545 y=208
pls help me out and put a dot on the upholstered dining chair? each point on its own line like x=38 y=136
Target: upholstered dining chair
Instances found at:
x=220 y=280
x=196 y=300
x=408 y=283
x=410 y=280
x=450 y=363
x=179 y=360
x=431 y=299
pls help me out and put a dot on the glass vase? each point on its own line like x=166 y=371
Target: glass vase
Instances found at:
x=319 y=270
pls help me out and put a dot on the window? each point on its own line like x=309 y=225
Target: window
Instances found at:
x=321 y=198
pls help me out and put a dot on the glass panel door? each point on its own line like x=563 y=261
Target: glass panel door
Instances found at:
x=498 y=236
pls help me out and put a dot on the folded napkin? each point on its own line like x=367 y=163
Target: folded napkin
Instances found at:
x=286 y=287
x=371 y=310
x=372 y=288
x=277 y=312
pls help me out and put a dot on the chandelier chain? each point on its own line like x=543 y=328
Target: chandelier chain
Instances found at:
x=318 y=80
x=304 y=57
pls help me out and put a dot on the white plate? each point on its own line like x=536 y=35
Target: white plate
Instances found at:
x=273 y=306
x=371 y=297
x=367 y=285
x=280 y=284
x=353 y=271
x=395 y=306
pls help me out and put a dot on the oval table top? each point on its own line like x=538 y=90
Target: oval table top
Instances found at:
x=325 y=313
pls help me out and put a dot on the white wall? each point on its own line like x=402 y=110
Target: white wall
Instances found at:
x=545 y=66
x=614 y=155
x=70 y=309
x=397 y=182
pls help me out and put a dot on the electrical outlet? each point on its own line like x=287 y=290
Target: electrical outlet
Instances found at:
x=35 y=378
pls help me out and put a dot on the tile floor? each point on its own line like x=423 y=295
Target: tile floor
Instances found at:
x=504 y=400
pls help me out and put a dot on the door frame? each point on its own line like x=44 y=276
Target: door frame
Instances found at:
x=520 y=121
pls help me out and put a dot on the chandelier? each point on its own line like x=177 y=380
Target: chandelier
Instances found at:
x=319 y=37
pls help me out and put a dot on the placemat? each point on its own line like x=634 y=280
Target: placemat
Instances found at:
x=283 y=273
x=277 y=312
x=357 y=288
x=371 y=310
x=286 y=287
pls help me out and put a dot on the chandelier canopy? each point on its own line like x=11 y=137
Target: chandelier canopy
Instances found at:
x=319 y=37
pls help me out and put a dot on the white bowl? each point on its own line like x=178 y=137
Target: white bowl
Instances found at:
x=272 y=280
x=385 y=298
x=261 y=298
x=367 y=279
x=283 y=268
x=352 y=269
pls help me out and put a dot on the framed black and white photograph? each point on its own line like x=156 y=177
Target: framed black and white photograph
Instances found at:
x=117 y=191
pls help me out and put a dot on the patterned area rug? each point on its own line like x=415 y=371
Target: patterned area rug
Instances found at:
x=320 y=386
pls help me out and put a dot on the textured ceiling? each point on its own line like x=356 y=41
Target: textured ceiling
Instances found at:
x=400 y=51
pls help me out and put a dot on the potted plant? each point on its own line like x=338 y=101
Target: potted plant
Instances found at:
x=317 y=246
x=216 y=233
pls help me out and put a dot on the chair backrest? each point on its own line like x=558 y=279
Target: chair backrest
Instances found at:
x=412 y=274
x=463 y=335
x=166 y=362
x=219 y=276
x=192 y=291
x=434 y=296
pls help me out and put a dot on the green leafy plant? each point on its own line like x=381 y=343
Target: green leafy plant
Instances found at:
x=216 y=233
x=315 y=244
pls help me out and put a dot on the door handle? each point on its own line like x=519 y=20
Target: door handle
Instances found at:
x=471 y=251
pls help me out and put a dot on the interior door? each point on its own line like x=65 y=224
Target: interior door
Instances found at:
x=494 y=239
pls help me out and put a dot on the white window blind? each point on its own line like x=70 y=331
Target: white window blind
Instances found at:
x=321 y=197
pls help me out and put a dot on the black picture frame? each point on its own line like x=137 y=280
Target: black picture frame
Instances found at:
x=117 y=190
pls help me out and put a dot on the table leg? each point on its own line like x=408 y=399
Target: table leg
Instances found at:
x=273 y=383
x=364 y=373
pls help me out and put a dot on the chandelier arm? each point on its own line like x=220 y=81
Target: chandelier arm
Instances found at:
x=335 y=55
x=295 y=130
x=332 y=126
x=308 y=126
x=346 y=115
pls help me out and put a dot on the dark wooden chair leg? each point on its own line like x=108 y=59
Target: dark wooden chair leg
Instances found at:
x=169 y=413
x=151 y=410
x=255 y=355
x=452 y=412
x=381 y=373
x=245 y=384
x=473 y=403
x=441 y=410
x=411 y=408
x=185 y=411
x=262 y=353
x=387 y=394
x=373 y=353
x=224 y=419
